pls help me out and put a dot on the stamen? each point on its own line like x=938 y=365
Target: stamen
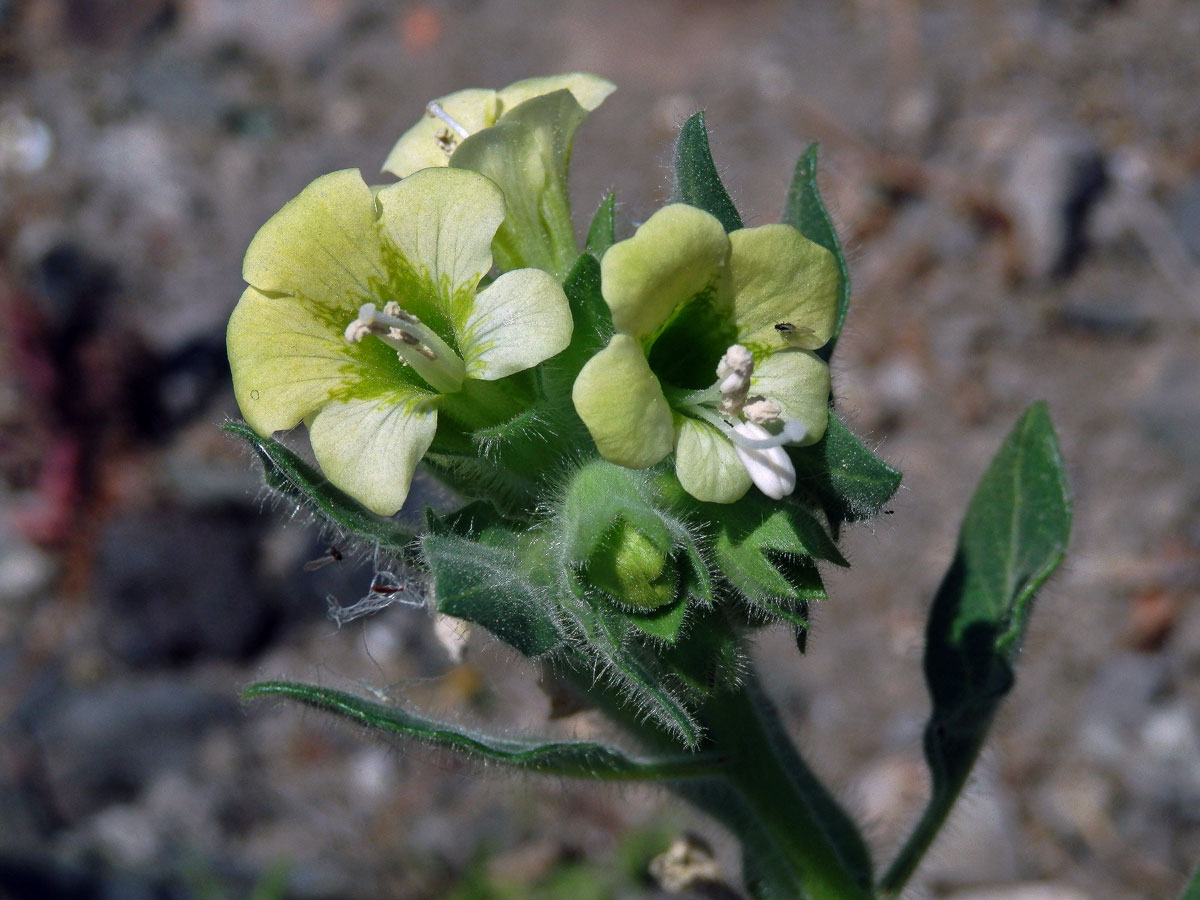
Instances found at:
x=435 y=109
x=734 y=371
x=761 y=411
x=769 y=468
x=417 y=344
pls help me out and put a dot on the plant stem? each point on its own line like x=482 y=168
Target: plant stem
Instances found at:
x=789 y=824
x=941 y=802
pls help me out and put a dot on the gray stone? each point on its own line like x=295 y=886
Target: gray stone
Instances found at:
x=1185 y=214
x=105 y=746
x=1053 y=180
x=174 y=586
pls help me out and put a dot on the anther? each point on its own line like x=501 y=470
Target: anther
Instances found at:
x=734 y=371
x=761 y=411
x=416 y=344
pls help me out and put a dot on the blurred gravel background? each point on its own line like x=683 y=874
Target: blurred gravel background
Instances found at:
x=1018 y=184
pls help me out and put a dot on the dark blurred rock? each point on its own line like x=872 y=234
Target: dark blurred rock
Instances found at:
x=44 y=879
x=109 y=23
x=174 y=586
x=1054 y=179
x=1102 y=318
x=1170 y=415
x=73 y=288
x=1185 y=213
x=104 y=746
x=168 y=391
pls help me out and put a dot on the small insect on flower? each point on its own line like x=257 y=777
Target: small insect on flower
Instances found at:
x=332 y=555
x=792 y=333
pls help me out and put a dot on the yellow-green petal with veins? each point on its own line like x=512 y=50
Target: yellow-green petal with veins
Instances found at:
x=622 y=405
x=678 y=253
x=589 y=90
x=323 y=245
x=519 y=320
x=430 y=142
x=442 y=222
x=707 y=464
x=779 y=276
x=527 y=154
x=285 y=360
x=370 y=447
x=798 y=380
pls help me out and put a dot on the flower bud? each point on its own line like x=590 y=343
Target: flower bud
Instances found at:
x=633 y=568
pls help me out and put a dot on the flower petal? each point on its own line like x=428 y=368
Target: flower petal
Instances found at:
x=589 y=90
x=323 y=244
x=622 y=405
x=442 y=221
x=798 y=380
x=370 y=447
x=419 y=147
x=780 y=276
x=288 y=357
x=677 y=253
x=519 y=320
x=285 y=361
x=527 y=153
x=707 y=464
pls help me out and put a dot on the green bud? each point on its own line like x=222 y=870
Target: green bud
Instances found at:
x=633 y=568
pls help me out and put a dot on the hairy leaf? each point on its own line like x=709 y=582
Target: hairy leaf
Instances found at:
x=600 y=495
x=754 y=533
x=591 y=331
x=603 y=635
x=662 y=623
x=487 y=583
x=575 y=759
x=295 y=479
x=1013 y=537
x=805 y=211
x=844 y=478
x=696 y=180
x=602 y=233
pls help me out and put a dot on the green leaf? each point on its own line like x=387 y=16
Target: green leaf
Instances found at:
x=602 y=233
x=754 y=532
x=600 y=495
x=663 y=623
x=295 y=479
x=848 y=481
x=487 y=583
x=573 y=759
x=1013 y=537
x=696 y=180
x=697 y=582
x=708 y=658
x=603 y=635
x=467 y=521
x=592 y=329
x=805 y=211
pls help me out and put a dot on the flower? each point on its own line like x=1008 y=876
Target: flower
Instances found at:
x=308 y=339
x=520 y=138
x=451 y=119
x=688 y=303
